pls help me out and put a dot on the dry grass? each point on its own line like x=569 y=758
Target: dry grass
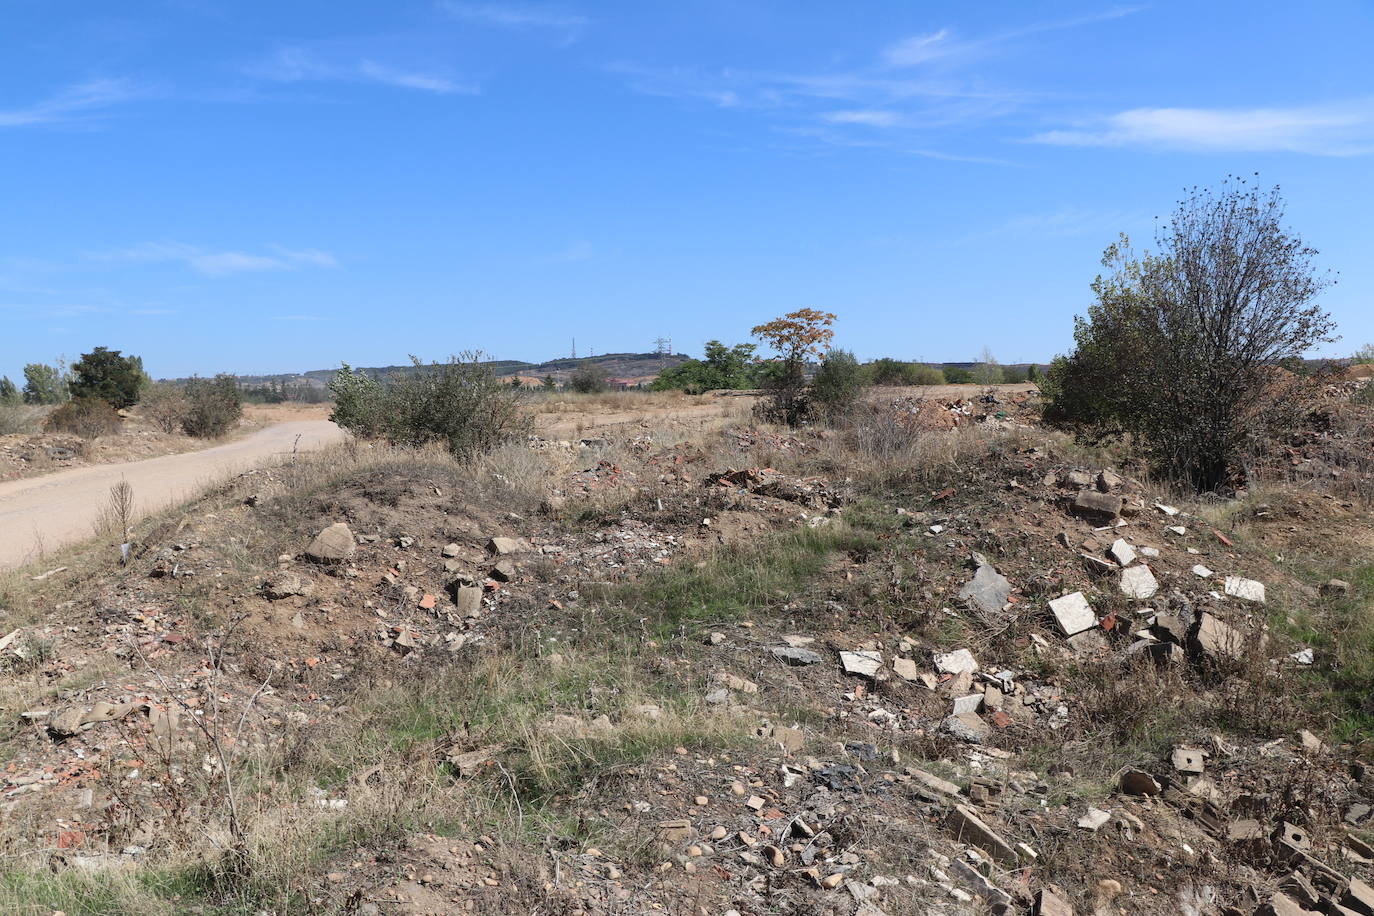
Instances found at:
x=22 y=420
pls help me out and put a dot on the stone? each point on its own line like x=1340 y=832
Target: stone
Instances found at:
x=1051 y=901
x=503 y=570
x=1359 y=897
x=1217 y=639
x=1245 y=589
x=1107 y=481
x=972 y=703
x=1073 y=613
x=451 y=550
x=1280 y=904
x=968 y=827
x=502 y=546
x=1091 y=504
x=1138 y=782
x=967 y=727
x=1138 y=582
x=796 y=656
x=957 y=662
x=1335 y=587
x=1096 y=566
x=466 y=597
x=906 y=669
x=987 y=591
x=864 y=664
x=1123 y=553
x=1310 y=742
x=1094 y=819
x=1202 y=572
x=333 y=545
x=933 y=782
x=676 y=832
x=284 y=584
x=1188 y=760
x=799 y=642
x=1089 y=642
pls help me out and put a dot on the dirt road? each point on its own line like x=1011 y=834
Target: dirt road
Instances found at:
x=42 y=513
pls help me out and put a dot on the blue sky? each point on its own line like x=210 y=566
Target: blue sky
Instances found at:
x=262 y=187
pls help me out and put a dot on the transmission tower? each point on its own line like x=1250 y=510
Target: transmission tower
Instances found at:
x=663 y=346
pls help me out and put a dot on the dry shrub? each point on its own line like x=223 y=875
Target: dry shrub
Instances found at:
x=84 y=417
x=23 y=421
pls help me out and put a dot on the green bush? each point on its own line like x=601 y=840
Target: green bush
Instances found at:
x=928 y=375
x=955 y=375
x=461 y=404
x=9 y=392
x=838 y=384
x=104 y=373
x=84 y=417
x=723 y=367
x=213 y=406
x=588 y=378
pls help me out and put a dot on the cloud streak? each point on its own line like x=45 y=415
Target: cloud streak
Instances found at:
x=513 y=16
x=76 y=102
x=300 y=65
x=1342 y=129
x=220 y=263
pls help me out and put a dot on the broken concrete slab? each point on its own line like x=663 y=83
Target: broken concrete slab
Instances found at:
x=1094 y=819
x=1245 y=589
x=957 y=662
x=968 y=827
x=1188 y=760
x=1100 y=507
x=1051 y=901
x=1280 y=904
x=1122 y=552
x=987 y=591
x=793 y=656
x=863 y=664
x=1138 y=782
x=333 y=545
x=972 y=703
x=933 y=782
x=1073 y=613
x=1217 y=639
x=906 y=669
x=1096 y=566
x=967 y=727
x=1138 y=582
x=503 y=546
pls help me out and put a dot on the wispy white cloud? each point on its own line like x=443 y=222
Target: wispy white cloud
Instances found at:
x=869 y=117
x=1339 y=129
x=297 y=318
x=513 y=15
x=83 y=100
x=293 y=64
x=944 y=45
x=912 y=87
x=220 y=263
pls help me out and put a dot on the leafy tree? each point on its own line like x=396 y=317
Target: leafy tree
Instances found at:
x=838 y=385
x=588 y=378
x=549 y=383
x=723 y=367
x=44 y=384
x=105 y=374
x=887 y=371
x=9 y=393
x=957 y=375
x=1179 y=352
x=461 y=404
x=796 y=337
x=1032 y=373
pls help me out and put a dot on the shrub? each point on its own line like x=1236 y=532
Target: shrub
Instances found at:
x=9 y=393
x=723 y=367
x=887 y=371
x=105 y=374
x=987 y=371
x=927 y=375
x=213 y=406
x=84 y=417
x=165 y=406
x=20 y=420
x=460 y=404
x=956 y=375
x=838 y=384
x=1180 y=352
x=588 y=378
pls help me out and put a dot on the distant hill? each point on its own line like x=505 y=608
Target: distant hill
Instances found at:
x=628 y=366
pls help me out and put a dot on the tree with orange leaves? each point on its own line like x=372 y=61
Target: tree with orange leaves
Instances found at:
x=797 y=336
